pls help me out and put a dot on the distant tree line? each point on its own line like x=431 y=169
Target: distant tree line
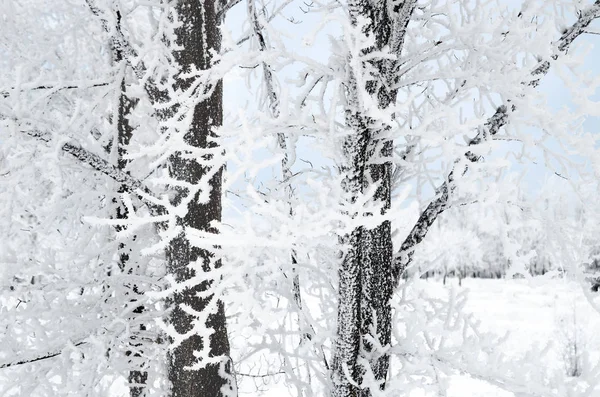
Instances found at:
x=484 y=243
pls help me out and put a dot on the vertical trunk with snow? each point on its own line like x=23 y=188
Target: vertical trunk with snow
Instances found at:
x=137 y=377
x=366 y=282
x=197 y=37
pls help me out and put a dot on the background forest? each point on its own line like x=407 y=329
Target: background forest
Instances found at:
x=283 y=197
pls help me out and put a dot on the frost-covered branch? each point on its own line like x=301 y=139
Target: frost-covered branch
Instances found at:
x=287 y=161
x=37 y=358
x=96 y=162
x=224 y=6
x=491 y=127
x=56 y=87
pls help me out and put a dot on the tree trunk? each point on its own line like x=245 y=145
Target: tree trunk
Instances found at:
x=365 y=276
x=197 y=36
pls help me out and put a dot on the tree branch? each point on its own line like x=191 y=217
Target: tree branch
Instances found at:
x=96 y=162
x=224 y=7
x=6 y=94
x=489 y=129
x=36 y=359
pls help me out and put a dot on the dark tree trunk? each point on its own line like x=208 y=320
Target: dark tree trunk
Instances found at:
x=366 y=279
x=197 y=36
x=365 y=275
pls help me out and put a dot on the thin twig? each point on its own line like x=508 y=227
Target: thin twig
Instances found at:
x=33 y=360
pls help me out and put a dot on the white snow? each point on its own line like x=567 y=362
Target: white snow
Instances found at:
x=531 y=311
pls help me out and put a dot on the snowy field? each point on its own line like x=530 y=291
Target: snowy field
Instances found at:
x=538 y=311
x=544 y=312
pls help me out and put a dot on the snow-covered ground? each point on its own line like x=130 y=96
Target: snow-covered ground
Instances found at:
x=541 y=311
x=546 y=312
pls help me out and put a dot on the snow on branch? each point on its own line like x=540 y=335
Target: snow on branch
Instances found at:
x=57 y=87
x=490 y=128
x=224 y=6
x=41 y=357
x=96 y=162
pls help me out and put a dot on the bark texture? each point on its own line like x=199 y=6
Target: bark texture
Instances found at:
x=365 y=276
x=197 y=36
